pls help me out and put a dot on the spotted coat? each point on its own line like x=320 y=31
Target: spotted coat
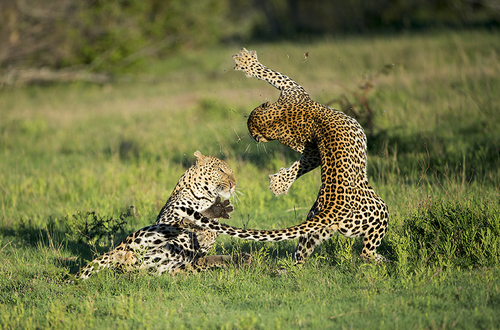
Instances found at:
x=174 y=242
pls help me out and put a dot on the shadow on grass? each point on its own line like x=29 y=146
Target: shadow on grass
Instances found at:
x=470 y=150
x=57 y=237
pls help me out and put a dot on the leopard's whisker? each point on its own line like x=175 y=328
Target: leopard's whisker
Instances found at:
x=236 y=197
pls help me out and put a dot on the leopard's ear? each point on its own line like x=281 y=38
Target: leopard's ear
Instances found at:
x=199 y=157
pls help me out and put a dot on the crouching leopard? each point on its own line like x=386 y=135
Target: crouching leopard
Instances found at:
x=325 y=137
x=174 y=242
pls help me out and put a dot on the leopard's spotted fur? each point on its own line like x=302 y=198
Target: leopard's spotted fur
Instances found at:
x=325 y=137
x=174 y=242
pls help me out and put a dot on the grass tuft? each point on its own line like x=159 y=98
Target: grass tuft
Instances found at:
x=459 y=234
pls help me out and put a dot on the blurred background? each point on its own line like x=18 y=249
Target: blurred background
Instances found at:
x=112 y=35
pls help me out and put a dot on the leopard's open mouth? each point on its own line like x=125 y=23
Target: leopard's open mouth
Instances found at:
x=259 y=138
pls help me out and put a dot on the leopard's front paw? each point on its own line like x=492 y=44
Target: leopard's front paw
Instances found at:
x=243 y=60
x=187 y=224
x=279 y=183
x=219 y=209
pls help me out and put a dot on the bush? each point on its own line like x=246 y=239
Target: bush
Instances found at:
x=111 y=34
x=106 y=34
x=93 y=229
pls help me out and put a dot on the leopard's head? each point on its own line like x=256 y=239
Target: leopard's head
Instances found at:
x=214 y=176
x=260 y=123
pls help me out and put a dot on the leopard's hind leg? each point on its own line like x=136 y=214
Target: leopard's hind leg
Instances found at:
x=372 y=240
x=308 y=243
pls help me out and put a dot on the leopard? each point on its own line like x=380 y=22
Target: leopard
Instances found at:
x=174 y=243
x=325 y=138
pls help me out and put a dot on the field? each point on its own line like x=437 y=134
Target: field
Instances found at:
x=81 y=152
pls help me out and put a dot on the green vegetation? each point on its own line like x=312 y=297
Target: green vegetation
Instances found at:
x=81 y=154
x=113 y=35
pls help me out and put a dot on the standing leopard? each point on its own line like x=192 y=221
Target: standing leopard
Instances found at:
x=174 y=242
x=325 y=137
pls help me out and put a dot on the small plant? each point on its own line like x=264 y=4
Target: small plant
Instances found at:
x=360 y=108
x=340 y=251
x=93 y=229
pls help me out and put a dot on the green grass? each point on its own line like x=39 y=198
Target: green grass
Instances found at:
x=66 y=150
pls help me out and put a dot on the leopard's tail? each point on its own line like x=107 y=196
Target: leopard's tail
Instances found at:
x=309 y=226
